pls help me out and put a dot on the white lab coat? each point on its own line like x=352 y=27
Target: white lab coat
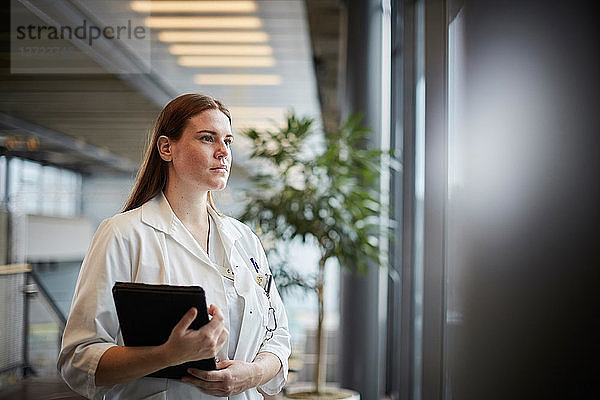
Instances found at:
x=151 y=245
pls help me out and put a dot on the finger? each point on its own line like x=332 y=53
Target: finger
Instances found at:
x=216 y=325
x=185 y=321
x=214 y=329
x=216 y=317
x=223 y=364
x=216 y=312
x=196 y=374
x=211 y=309
x=206 y=376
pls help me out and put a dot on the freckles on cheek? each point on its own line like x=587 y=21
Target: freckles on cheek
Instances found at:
x=195 y=160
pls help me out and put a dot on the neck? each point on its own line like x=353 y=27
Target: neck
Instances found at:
x=189 y=206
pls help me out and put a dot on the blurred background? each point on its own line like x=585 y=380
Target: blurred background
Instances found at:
x=489 y=287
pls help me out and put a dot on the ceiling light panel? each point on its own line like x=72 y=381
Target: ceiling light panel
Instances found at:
x=203 y=22
x=260 y=125
x=238 y=79
x=257 y=112
x=220 y=50
x=216 y=61
x=194 y=6
x=213 y=37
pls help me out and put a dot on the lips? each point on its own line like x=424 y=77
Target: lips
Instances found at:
x=220 y=168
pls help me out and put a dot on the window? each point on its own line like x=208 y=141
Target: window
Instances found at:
x=34 y=188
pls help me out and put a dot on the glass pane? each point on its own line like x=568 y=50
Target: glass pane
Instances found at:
x=3 y=166
x=419 y=201
x=45 y=190
x=30 y=187
x=49 y=187
x=455 y=193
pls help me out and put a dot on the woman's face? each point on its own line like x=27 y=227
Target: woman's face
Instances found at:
x=201 y=158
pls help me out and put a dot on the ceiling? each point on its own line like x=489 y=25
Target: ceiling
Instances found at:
x=326 y=20
x=91 y=107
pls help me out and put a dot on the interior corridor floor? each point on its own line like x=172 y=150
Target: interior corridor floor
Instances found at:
x=46 y=388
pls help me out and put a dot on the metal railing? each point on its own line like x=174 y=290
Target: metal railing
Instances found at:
x=20 y=287
x=13 y=343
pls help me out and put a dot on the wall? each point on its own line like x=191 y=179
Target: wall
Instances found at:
x=56 y=238
x=104 y=195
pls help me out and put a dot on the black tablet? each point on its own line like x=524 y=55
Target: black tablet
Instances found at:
x=148 y=313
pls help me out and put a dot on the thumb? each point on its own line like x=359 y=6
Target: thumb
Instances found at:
x=224 y=364
x=185 y=321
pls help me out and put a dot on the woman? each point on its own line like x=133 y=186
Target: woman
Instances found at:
x=171 y=233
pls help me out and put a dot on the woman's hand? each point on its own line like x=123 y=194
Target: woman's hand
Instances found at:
x=230 y=378
x=234 y=376
x=186 y=344
x=120 y=364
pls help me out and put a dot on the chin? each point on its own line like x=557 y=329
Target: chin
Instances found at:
x=218 y=187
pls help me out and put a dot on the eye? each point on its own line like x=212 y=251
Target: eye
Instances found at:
x=207 y=138
x=228 y=141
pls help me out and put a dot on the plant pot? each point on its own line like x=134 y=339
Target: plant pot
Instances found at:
x=305 y=392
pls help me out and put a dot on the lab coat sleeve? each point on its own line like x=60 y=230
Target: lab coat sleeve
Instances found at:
x=92 y=326
x=279 y=344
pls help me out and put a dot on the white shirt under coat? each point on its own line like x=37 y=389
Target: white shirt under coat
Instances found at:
x=151 y=245
x=235 y=302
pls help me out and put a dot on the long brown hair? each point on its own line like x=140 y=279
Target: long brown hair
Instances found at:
x=152 y=176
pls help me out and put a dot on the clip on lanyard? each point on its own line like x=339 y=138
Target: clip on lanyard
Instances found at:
x=269 y=278
x=270 y=326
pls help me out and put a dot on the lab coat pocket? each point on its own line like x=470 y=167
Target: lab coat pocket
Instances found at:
x=263 y=305
x=257 y=303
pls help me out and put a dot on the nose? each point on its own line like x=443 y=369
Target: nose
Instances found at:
x=222 y=151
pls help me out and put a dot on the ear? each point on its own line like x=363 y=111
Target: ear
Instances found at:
x=163 y=145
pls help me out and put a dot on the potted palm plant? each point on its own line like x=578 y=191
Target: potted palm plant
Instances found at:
x=329 y=196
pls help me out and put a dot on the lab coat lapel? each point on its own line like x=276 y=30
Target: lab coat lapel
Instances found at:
x=158 y=214
x=236 y=254
x=253 y=320
x=228 y=234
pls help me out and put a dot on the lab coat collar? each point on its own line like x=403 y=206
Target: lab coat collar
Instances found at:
x=228 y=232
x=158 y=214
